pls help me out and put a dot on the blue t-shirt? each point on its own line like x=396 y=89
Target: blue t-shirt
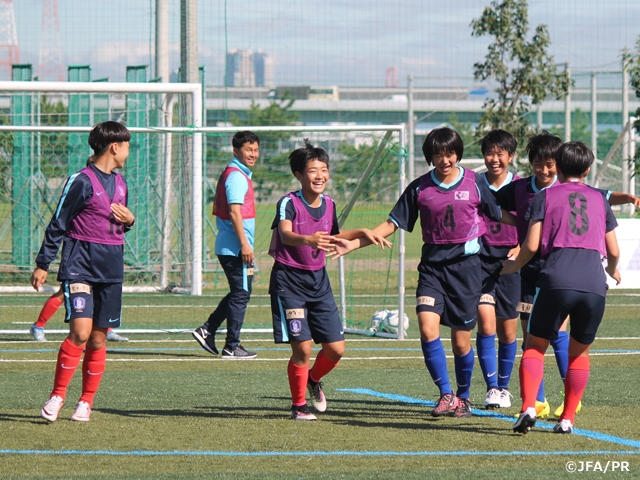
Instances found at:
x=572 y=268
x=291 y=282
x=405 y=213
x=236 y=187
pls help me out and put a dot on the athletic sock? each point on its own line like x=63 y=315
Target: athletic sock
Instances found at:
x=464 y=371
x=574 y=385
x=436 y=361
x=68 y=360
x=321 y=367
x=50 y=307
x=531 y=373
x=561 y=350
x=486 y=347
x=506 y=359
x=298 y=378
x=93 y=367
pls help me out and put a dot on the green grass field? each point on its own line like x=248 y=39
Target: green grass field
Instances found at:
x=168 y=409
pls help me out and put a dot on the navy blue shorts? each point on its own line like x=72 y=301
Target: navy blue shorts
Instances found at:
x=551 y=307
x=501 y=291
x=296 y=320
x=100 y=301
x=451 y=290
x=529 y=275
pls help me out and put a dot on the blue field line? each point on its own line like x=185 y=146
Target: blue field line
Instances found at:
x=486 y=413
x=338 y=453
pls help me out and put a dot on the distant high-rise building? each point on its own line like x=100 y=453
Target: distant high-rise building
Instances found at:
x=240 y=71
x=263 y=68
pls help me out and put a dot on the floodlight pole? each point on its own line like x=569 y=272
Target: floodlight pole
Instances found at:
x=567 y=108
x=594 y=123
x=401 y=235
x=410 y=129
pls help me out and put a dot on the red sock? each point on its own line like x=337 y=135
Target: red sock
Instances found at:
x=93 y=367
x=321 y=367
x=298 y=378
x=51 y=306
x=68 y=360
x=531 y=372
x=574 y=385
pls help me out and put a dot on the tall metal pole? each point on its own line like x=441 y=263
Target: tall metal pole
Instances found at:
x=188 y=41
x=162 y=40
x=539 y=117
x=625 y=120
x=567 y=109
x=594 y=123
x=401 y=237
x=411 y=129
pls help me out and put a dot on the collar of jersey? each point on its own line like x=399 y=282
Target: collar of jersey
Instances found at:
x=507 y=181
x=448 y=185
x=536 y=189
x=238 y=164
x=299 y=194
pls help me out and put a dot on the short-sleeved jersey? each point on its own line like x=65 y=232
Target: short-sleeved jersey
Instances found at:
x=406 y=211
x=574 y=268
x=287 y=281
x=236 y=187
x=499 y=238
x=82 y=260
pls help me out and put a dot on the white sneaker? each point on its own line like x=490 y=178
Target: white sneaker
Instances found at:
x=82 y=413
x=563 y=426
x=505 y=398
x=37 y=333
x=114 y=337
x=52 y=408
x=492 y=400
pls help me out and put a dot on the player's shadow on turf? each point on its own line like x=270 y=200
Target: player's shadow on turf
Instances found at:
x=258 y=412
x=15 y=417
x=135 y=353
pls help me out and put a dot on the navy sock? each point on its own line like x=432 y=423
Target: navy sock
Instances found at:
x=486 y=347
x=464 y=370
x=506 y=360
x=561 y=350
x=436 y=361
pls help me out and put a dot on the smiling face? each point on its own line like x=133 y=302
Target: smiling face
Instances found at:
x=313 y=179
x=497 y=160
x=120 y=153
x=248 y=154
x=545 y=171
x=445 y=166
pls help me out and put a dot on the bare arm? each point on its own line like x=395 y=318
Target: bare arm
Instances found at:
x=613 y=255
x=508 y=218
x=320 y=240
x=246 y=252
x=381 y=232
x=527 y=250
x=619 y=198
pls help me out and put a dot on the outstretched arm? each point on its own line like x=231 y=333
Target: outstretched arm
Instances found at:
x=379 y=234
x=619 y=198
x=527 y=251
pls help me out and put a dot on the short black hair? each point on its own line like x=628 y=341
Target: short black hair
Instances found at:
x=442 y=140
x=542 y=146
x=106 y=133
x=240 y=138
x=574 y=159
x=500 y=139
x=299 y=158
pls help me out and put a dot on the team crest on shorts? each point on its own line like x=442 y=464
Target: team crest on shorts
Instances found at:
x=78 y=304
x=462 y=195
x=295 y=327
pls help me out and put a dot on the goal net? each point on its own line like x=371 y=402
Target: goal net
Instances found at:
x=172 y=172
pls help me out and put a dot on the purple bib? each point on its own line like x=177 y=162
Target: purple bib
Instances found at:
x=303 y=256
x=96 y=223
x=450 y=216
x=523 y=201
x=499 y=234
x=575 y=217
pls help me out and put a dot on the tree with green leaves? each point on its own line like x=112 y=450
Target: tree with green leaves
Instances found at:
x=521 y=67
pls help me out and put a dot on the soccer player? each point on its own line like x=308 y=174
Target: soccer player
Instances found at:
x=305 y=232
x=91 y=219
x=50 y=307
x=235 y=210
x=500 y=293
x=449 y=201
x=572 y=226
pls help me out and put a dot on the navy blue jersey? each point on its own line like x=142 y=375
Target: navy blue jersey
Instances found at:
x=572 y=268
x=81 y=260
x=307 y=285
x=405 y=214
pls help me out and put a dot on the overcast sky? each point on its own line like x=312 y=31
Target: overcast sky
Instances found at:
x=327 y=42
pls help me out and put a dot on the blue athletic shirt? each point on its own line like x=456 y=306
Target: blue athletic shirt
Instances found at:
x=80 y=260
x=405 y=213
x=572 y=268
x=306 y=285
x=236 y=187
